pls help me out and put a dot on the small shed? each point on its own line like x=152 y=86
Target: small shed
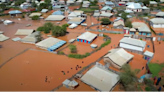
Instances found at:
x=148 y=56
x=70 y=84
x=16 y=39
x=71 y=41
x=93 y=45
x=44 y=11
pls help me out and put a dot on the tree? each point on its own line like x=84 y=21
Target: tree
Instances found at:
x=48 y=25
x=58 y=31
x=146 y=2
x=40 y=28
x=42 y=6
x=73 y=48
x=34 y=4
x=124 y=16
x=47 y=1
x=64 y=27
x=19 y=2
x=105 y=21
x=2 y=6
x=35 y=17
x=128 y=23
x=128 y=78
x=23 y=16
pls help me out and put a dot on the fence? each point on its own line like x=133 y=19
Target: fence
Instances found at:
x=81 y=71
x=106 y=31
x=13 y=57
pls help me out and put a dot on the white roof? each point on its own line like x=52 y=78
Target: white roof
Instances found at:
x=24 y=31
x=157 y=20
x=133 y=29
x=134 y=6
x=35 y=14
x=106 y=14
x=153 y=2
x=129 y=3
x=8 y=22
x=93 y=45
x=55 y=18
x=3 y=37
x=46 y=43
x=87 y=36
x=119 y=56
x=86 y=2
x=101 y=79
x=148 y=53
x=128 y=11
x=30 y=38
x=160 y=14
x=96 y=14
x=142 y=27
x=73 y=25
x=70 y=1
x=74 y=14
x=119 y=22
x=144 y=7
x=132 y=41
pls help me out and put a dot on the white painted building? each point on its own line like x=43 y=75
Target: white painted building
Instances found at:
x=157 y=22
x=132 y=44
x=136 y=7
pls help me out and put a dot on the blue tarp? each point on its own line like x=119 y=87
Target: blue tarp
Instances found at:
x=57 y=13
x=142 y=77
x=15 y=12
x=57 y=45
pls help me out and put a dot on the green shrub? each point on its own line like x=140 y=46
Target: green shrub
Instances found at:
x=61 y=53
x=147 y=89
x=78 y=56
x=105 y=35
x=23 y=16
x=73 y=48
x=105 y=43
x=40 y=29
x=140 y=38
x=35 y=17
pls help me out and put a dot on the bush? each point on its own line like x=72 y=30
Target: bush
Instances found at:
x=147 y=89
x=78 y=56
x=23 y=16
x=105 y=21
x=105 y=35
x=105 y=43
x=35 y=17
x=40 y=28
x=140 y=38
x=73 y=48
x=61 y=53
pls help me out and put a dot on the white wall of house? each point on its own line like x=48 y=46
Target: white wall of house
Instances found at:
x=135 y=10
x=158 y=25
x=127 y=46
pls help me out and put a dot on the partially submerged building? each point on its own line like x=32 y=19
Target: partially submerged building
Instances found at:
x=157 y=22
x=58 y=13
x=100 y=79
x=3 y=38
x=15 y=12
x=135 y=7
x=50 y=44
x=76 y=20
x=119 y=24
x=133 y=45
x=74 y=14
x=44 y=10
x=55 y=18
x=35 y=14
x=70 y=84
x=160 y=15
x=148 y=56
x=109 y=3
x=32 y=38
x=140 y=29
x=118 y=57
x=6 y=22
x=86 y=37
x=24 y=31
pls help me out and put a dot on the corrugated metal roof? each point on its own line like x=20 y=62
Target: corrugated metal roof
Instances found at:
x=119 y=56
x=76 y=20
x=15 y=12
x=134 y=6
x=142 y=27
x=109 y=3
x=44 y=10
x=134 y=42
x=106 y=14
x=157 y=20
x=55 y=18
x=148 y=53
x=107 y=8
x=87 y=36
x=101 y=79
x=160 y=14
x=57 y=13
x=35 y=14
x=24 y=31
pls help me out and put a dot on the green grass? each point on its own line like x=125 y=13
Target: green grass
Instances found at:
x=155 y=68
x=88 y=9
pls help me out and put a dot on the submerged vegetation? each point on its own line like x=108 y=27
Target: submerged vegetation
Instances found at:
x=54 y=29
x=78 y=56
x=35 y=17
x=155 y=68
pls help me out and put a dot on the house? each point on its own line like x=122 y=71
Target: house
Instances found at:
x=136 y=7
x=148 y=56
x=15 y=12
x=44 y=10
x=50 y=44
x=3 y=38
x=25 y=5
x=69 y=2
x=109 y=3
x=74 y=14
x=121 y=3
x=160 y=15
x=58 y=13
x=140 y=28
x=154 y=3
x=118 y=57
x=58 y=7
x=24 y=31
x=119 y=24
x=32 y=39
x=133 y=45
x=96 y=14
x=157 y=22
x=106 y=14
x=87 y=37
x=129 y=11
x=76 y=20
x=35 y=14
x=55 y=18
x=145 y=9
x=73 y=25
x=106 y=9
x=86 y=4
x=124 y=0
x=100 y=79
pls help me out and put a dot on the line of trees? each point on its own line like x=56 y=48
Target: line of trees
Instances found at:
x=54 y=29
x=128 y=23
